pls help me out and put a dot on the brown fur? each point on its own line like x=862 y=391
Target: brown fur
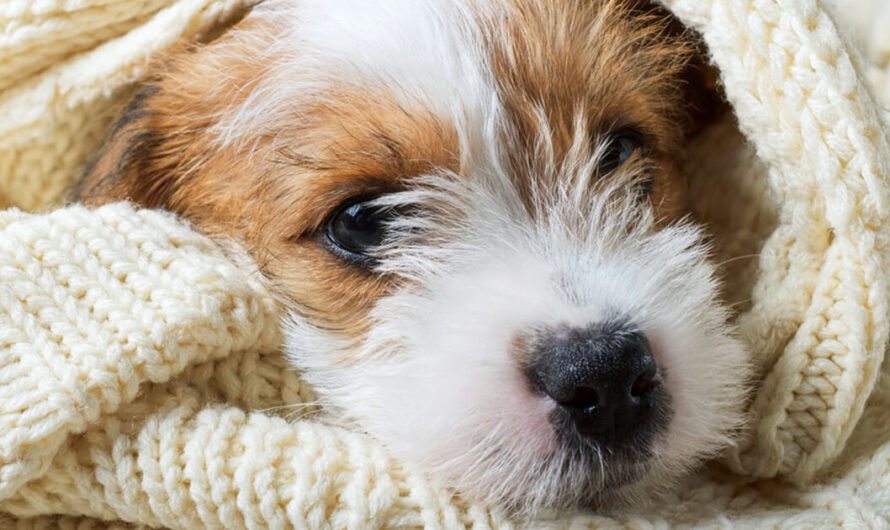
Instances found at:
x=620 y=64
x=623 y=65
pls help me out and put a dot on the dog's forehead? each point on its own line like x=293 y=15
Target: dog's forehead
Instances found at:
x=516 y=92
x=429 y=49
x=426 y=52
x=464 y=60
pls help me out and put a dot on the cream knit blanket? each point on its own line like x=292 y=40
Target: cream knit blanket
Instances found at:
x=140 y=382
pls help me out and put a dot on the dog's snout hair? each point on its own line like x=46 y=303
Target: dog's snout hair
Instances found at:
x=452 y=201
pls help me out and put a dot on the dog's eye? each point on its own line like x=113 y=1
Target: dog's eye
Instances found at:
x=620 y=147
x=358 y=228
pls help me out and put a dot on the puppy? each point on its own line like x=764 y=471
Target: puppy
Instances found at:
x=473 y=212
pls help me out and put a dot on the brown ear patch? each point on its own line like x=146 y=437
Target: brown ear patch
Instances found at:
x=111 y=173
x=105 y=174
x=165 y=135
x=153 y=149
x=702 y=97
x=702 y=93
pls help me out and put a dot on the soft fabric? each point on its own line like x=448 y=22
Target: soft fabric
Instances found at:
x=66 y=69
x=140 y=378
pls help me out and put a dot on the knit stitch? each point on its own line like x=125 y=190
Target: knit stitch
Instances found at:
x=140 y=378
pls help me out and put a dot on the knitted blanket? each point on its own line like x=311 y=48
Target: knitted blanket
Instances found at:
x=140 y=378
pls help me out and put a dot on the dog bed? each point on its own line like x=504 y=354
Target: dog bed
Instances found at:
x=140 y=381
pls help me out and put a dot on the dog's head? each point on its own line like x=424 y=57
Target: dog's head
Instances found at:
x=472 y=211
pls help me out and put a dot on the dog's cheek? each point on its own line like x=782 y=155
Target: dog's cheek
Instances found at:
x=669 y=189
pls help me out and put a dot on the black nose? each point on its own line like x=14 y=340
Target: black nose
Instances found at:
x=605 y=380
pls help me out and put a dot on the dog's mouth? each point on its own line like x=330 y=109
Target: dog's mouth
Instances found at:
x=584 y=473
x=612 y=459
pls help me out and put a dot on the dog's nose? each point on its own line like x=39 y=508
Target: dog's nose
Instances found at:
x=605 y=380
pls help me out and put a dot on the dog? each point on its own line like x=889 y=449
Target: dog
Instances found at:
x=474 y=215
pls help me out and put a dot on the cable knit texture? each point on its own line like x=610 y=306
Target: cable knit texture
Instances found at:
x=140 y=380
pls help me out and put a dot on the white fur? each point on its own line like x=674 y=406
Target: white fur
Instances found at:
x=426 y=53
x=435 y=379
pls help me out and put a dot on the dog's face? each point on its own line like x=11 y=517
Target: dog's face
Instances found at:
x=472 y=211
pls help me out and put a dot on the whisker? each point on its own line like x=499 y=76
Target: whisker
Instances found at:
x=737 y=258
x=295 y=410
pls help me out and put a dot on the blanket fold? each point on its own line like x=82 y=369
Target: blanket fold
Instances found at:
x=131 y=349
x=94 y=305
x=819 y=317
x=140 y=377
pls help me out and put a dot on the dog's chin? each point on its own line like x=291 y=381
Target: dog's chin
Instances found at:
x=580 y=474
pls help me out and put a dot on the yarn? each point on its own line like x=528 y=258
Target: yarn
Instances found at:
x=140 y=381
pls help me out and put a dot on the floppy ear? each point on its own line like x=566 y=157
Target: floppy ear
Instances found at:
x=142 y=157
x=702 y=93
x=702 y=96
x=166 y=136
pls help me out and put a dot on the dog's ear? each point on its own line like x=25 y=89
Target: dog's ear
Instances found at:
x=166 y=136
x=702 y=96
x=702 y=93
x=142 y=156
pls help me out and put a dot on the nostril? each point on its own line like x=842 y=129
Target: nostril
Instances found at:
x=648 y=378
x=583 y=398
x=644 y=385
